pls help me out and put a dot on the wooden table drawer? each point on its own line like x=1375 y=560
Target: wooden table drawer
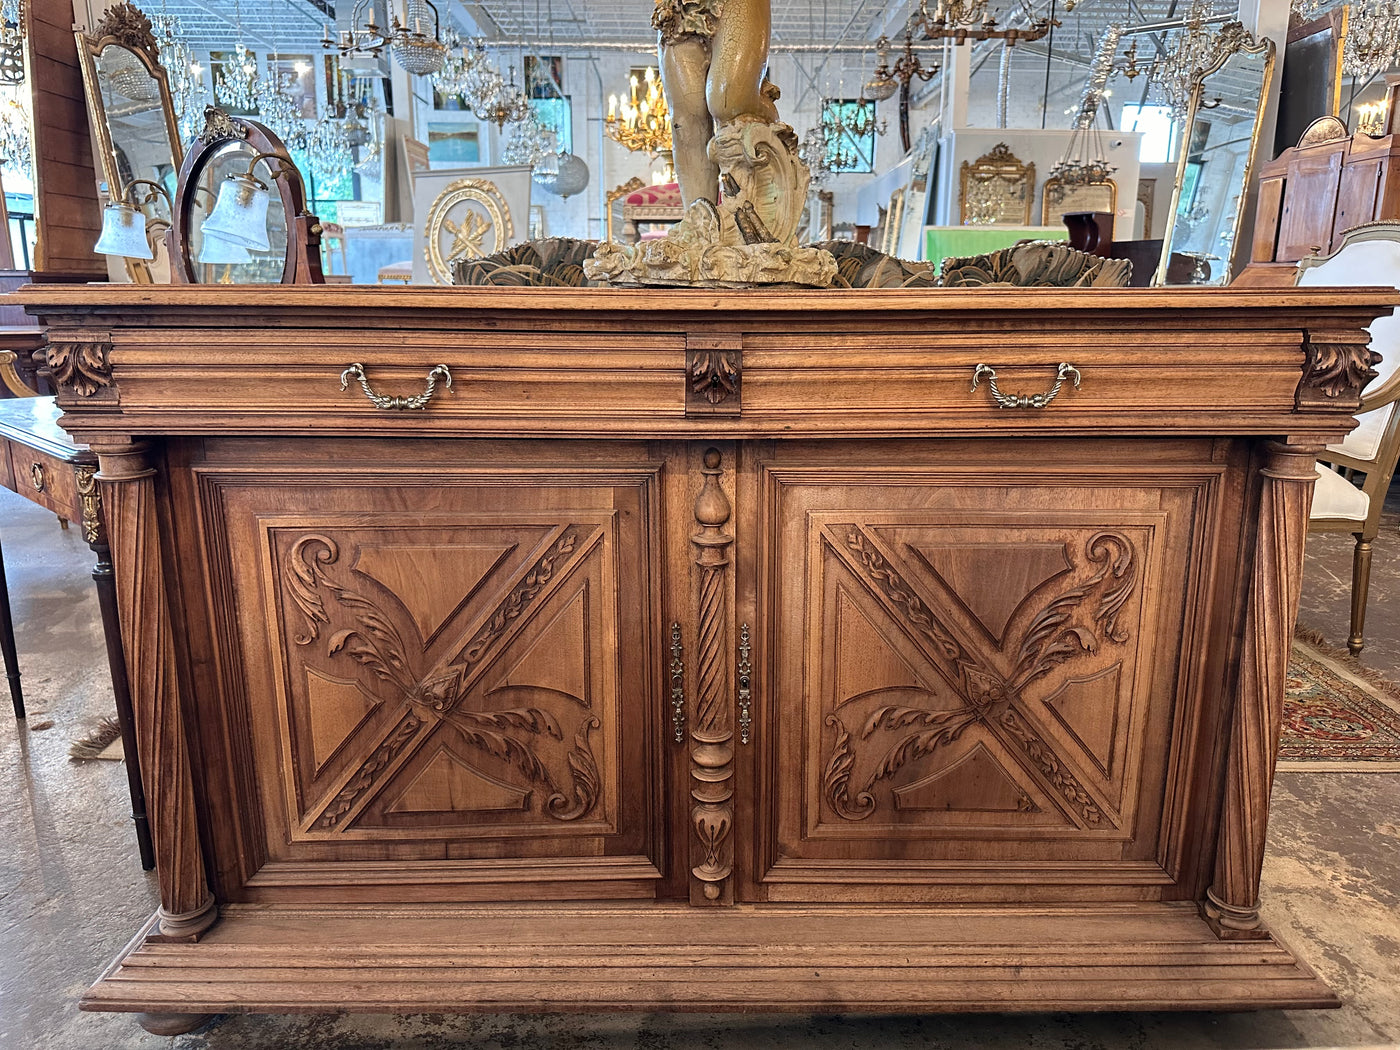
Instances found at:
x=45 y=479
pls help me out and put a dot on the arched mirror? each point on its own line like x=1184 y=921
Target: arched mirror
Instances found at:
x=240 y=210
x=128 y=99
x=1219 y=142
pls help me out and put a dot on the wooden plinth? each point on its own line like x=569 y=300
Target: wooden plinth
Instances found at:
x=673 y=957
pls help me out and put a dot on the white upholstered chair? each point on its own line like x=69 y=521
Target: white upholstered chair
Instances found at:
x=1353 y=477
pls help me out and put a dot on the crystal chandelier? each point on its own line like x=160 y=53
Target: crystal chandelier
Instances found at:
x=414 y=48
x=1186 y=50
x=236 y=86
x=276 y=108
x=859 y=121
x=15 y=150
x=530 y=142
x=643 y=123
x=1084 y=163
x=12 y=42
x=1373 y=38
x=188 y=95
x=459 y=66
x=330 y=153
x=502 y=103
x=963 y=20
x=813 y=152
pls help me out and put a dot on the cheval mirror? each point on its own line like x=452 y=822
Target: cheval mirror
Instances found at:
x=1219 y=142
x=240 y=210
x=128 y=99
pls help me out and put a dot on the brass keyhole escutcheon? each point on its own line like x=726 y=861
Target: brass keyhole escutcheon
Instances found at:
x=36 y=475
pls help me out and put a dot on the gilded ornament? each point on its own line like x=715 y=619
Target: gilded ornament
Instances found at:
x=219 y=125
x=129 y=27
x=483 y=225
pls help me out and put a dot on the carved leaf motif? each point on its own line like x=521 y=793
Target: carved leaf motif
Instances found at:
x=518 y=599
x=129 y=26
x=369 y=772
x=947 y=727
x=83 y=367
x=583 y=770
x=1054 y=637
x=306 y=579
x=836 y=781
x=483 y=730
x=713 y=374
x=899 y=592
x=1071 y=623
x=1037 y=751
x=375 y=643
x=1339 y=368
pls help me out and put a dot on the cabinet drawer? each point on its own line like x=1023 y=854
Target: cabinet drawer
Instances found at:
x=45 y=479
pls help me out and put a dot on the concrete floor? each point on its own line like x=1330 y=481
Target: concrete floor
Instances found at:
x=72 y=891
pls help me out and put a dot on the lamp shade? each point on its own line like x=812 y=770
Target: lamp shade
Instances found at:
x=240 y=214
x=123 y=232
x=216 y=251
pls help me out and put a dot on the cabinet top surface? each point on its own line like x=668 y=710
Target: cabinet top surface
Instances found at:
x=311 y=299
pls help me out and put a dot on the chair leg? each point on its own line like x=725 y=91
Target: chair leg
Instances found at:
x=1360 y=588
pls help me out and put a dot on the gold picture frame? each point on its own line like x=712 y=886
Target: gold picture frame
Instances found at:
x=997 y=189
x=1056 y=199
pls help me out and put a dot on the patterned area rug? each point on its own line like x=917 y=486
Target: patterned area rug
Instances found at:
x=1337 y=716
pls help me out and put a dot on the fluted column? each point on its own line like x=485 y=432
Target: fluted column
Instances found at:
x=143 y=609
x=1232 y=902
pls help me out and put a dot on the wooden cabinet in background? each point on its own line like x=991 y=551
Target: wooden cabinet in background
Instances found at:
x=714 y=651
x=1311 y=194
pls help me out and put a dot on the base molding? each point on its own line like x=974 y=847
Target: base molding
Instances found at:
x=629 y=956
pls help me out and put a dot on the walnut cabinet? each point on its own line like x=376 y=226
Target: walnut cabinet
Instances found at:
x=707 y=651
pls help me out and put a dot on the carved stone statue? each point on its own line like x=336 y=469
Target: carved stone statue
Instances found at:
x=740 y=177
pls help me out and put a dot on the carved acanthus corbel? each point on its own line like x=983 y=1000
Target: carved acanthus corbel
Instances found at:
x=82 y=365
x=1335 y=370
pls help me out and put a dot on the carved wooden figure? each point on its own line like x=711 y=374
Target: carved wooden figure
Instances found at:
x=583 y=681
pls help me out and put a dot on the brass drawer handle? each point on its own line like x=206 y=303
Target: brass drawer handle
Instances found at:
x=357 y=371
x=36 y=475
x=1065 y=371
x=745 y=686
x=677 y=670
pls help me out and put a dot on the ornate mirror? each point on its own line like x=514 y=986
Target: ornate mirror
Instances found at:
x=1219 y=142
x=240 y=210
x=128 y=99
x=1057 y=199
x=997 y=189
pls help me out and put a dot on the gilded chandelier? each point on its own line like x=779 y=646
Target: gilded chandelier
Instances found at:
x=886 y=80
x=1084 y=163
x=642 y=124
x=963 y=20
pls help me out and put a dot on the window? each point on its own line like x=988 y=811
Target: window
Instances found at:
x=1157 y=127
x=848 y=126
x=556 y=114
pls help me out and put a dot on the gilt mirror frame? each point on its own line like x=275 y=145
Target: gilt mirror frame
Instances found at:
x=1234 y=40
x=1000 y=169
x=126 y=27
x=1093 y=196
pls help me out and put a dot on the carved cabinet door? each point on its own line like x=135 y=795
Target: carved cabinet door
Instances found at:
x=445 y=683
x=974 y=680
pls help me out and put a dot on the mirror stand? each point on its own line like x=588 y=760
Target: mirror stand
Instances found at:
x=231 y=148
